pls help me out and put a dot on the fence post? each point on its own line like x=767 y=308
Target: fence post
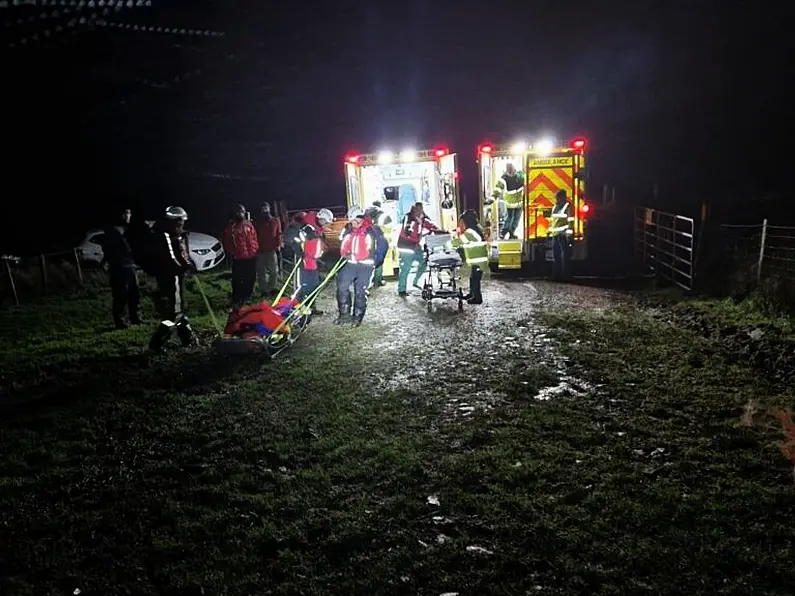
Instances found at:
x=13 y=283
x=761 y=252
x=43 y=265
x=77 y=264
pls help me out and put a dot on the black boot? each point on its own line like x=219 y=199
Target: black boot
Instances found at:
x=475 y=297
x=161 y=335
x=185 y=333
x=344 y=317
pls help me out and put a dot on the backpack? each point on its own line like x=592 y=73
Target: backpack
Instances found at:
x=381 y=246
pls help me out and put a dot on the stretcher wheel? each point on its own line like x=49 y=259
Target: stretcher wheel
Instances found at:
x=430 y=305
x=460 y=305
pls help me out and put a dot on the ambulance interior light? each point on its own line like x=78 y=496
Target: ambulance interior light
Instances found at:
x=544 y=146
x=408 y=155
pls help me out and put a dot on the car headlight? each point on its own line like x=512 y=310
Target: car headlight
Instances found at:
x=201 y=251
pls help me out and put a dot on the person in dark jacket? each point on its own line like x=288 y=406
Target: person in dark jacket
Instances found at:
x=291 y=238
x=171 y=261
x=118 y=256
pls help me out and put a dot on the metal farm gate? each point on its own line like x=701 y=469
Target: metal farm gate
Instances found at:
x=664 y=245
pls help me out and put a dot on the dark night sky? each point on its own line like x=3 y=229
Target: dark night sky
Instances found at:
x=688 y=94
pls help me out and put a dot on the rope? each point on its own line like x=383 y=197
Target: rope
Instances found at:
x=209 y=308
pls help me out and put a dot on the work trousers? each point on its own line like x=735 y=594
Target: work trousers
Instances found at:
x=244 y=274
x=357 y=275
x=125 y=293
x=267 y=271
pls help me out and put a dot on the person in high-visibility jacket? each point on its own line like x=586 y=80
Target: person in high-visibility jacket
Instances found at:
x=382 y=220
x=357 y=247
x=560 y=232
x=510 y=188
x=475 y=252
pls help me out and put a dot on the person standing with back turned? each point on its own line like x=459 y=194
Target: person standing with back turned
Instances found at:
x=118 y=255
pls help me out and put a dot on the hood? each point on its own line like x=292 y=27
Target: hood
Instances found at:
x=311 y=219
x=199 y=240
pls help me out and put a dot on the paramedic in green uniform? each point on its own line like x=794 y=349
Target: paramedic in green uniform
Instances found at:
x=475 y=252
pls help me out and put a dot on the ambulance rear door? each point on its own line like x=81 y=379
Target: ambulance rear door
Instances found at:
x=448 y=189
x=353 y=185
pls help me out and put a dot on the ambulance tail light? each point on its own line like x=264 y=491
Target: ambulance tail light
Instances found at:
x=579 y=144
x=585 y=210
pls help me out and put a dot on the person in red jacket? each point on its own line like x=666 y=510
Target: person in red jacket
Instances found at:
x=414 y=225
x=269 y=236
x=357 y=247
x=310 y=247
x=240 y=243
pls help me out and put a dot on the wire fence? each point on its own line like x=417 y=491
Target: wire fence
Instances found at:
x=25 y=278
x=767 y=249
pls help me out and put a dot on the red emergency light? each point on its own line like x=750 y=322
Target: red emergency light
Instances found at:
x=441 y=151
x=578 y=143
x=354 y=159
x=486 y=148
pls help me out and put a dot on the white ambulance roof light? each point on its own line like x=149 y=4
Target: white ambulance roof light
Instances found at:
x=385 y=157
x=520 y=147
x=408 y=155
x=545 y=146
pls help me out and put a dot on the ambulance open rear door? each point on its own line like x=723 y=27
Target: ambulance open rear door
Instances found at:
x=449 y=200
x=506 y=246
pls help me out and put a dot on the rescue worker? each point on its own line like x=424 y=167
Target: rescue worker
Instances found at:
x=291 y=238
x=510 y=187
x=357 y=247
x=310 y=249
x=241 y=245
x=269 y=237
x=475 y=253
x=384 y=222
x=172 y=262
x=414 y=223
x=560 y=233
x=118 y=255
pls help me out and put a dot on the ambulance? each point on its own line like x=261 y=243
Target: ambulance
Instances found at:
x=400 y=179
x=516 y=225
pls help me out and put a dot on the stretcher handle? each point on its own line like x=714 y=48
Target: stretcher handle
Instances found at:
x=286 y=283
x=307 y=302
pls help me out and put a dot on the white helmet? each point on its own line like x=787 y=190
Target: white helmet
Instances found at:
x=325 y=215
x=355 y=212
x=174 y=212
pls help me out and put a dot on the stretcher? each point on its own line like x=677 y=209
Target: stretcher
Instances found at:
x=268 y=329
x=443 y=277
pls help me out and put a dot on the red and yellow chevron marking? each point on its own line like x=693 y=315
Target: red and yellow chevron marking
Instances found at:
x=542 y=185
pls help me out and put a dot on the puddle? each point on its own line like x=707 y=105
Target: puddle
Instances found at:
x=457 y=357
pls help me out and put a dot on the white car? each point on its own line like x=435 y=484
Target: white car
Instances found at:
x=205 y=250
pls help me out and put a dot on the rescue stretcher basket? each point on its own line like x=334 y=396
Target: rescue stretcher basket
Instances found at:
x=269 y=343
x=443 y=276
x=268 y=329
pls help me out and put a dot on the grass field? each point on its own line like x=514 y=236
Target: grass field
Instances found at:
x=558 y=440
